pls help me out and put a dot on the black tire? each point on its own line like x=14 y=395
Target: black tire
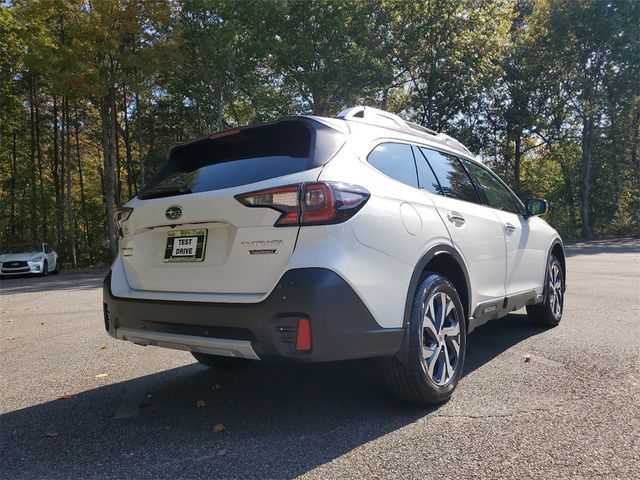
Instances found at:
x=57 y=269
x=45 y=269
x=411 y=381
x=216 y=361
x=549 y=312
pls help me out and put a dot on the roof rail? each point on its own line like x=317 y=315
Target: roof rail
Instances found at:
x=374 y=116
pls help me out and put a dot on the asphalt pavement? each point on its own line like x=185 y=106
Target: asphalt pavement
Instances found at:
x=533 y=403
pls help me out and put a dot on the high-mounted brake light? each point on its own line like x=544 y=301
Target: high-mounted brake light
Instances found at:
x=225 y=133
x=312 y=203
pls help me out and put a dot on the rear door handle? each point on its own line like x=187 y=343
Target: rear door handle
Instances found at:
x=455 y=217
x=509 y=228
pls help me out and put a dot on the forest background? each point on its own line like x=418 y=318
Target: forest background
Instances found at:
x=94 y=93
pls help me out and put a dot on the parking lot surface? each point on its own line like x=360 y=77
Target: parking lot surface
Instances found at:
x=533 y=403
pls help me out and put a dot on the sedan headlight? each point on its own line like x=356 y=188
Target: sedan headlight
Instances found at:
x=37 y=258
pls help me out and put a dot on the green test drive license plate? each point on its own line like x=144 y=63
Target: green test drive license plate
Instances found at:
x=186 y=245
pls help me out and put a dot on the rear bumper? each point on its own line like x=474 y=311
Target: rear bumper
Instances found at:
x=342 y=327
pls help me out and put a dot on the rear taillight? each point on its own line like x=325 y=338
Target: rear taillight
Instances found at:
x=122 y=215
x=314 y=203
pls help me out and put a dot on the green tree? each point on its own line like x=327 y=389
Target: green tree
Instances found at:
x=448 y=53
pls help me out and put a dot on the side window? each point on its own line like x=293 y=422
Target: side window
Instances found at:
x=497 y=195
x=453 y=178
x=426 y=177
x=395 y=160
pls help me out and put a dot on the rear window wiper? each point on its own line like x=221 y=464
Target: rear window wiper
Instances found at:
x=165 y=190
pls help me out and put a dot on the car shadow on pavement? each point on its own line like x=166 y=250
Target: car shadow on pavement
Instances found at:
x=280 y=420
x=497 y=336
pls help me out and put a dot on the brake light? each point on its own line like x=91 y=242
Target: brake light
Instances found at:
x=313 y=203
x=318 y=203
x=225 y=133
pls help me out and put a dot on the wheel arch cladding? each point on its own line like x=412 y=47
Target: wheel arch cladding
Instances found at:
x=557 y=250
x=446 y=261
x=447 y=265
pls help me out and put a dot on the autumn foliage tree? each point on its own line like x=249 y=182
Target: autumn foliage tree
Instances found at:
x=93 y=94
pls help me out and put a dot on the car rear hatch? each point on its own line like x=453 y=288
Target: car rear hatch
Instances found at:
x=186 y=231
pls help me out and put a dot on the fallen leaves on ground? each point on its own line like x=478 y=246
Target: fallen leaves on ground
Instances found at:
x=66 y=395
x=218 y=427
x=102 y=375
x=527 y=358
x=200 y=404
x=104 y=346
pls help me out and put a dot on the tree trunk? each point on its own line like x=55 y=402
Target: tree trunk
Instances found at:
x=109 y=161
x=14 y=164
x=83 y=200
x=55 y=172
x=32 y=162
x=568 y=185
x=71 y=222
x=63 y=164
x=506 y=153
x=115 y=147
x=587 y=126
x=127 y=145
x=635 y=144
x=516 y=163
x=141 y=180
x=43 y=203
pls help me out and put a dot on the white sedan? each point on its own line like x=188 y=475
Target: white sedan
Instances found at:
x=29 y=258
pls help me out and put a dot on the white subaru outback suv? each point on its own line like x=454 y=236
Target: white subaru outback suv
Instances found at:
x=316 y=239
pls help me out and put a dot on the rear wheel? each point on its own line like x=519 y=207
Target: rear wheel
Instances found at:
x=216 y=361
x=436 y=349
x=57 y=269
x=549 y=312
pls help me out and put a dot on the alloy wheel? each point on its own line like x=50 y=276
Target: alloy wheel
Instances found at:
x=555 y=290
x=440 y=338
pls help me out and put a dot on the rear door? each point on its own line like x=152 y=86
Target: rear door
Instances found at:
x=525 y=244
x=475 y=230
x=188 y=233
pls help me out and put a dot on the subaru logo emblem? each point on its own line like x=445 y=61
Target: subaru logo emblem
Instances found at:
x=173 y=213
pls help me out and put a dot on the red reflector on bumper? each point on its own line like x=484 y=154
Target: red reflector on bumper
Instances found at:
x=303 y=337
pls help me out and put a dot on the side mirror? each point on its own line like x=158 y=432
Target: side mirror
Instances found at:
x=536 y=206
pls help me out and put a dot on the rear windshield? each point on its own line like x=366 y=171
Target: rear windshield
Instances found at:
x=241 y=157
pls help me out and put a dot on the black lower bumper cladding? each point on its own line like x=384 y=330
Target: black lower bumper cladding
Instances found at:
x=342 y=327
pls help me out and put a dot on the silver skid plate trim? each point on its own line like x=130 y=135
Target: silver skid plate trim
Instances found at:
x=213 y=346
